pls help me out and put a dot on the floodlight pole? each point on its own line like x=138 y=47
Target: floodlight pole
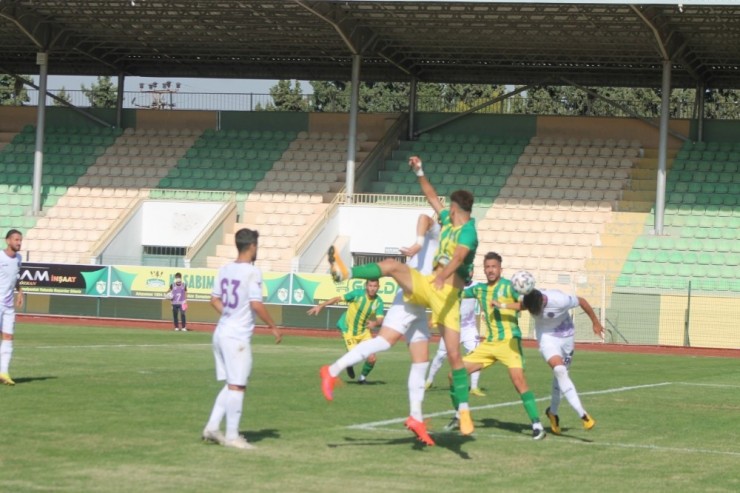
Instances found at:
x=42 y=60
x=119 y=100
x=352 y=136
x=412 y=108
x=662 y=147
x=700 y=113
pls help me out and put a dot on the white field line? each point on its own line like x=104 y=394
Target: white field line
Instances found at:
x=118 y=346
x=656 y=448
x=261 y=348
x=718 y=385
x=374 y=424
x=378 y=425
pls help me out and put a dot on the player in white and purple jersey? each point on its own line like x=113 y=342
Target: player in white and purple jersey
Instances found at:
x=10 y=266
x=237 y=297
x=178 y=295
x=550 y=309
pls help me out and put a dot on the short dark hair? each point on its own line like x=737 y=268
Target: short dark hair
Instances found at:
x=177 y=274
x=245 y=237
x=463 y=198
x=13 y=232
x=493 y=256
x=373 y=279
x=534 y=302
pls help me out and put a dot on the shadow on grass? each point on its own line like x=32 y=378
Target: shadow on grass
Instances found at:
x=366 y=382
x=22 y=380
x=259 y=435
x=453 y=442
x=563 y=434
x=525 y=429
x=519 y=428
x=449 y=441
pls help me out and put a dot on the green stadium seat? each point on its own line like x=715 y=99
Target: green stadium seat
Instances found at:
x=689 y=258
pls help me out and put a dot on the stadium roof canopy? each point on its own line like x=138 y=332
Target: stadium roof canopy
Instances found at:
x=590 y=43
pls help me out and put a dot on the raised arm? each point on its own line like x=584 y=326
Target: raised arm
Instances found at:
x=429 y=192
x=423 y=224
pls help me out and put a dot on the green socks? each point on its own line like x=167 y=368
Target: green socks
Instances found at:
x=530 y=406
x=459 y=388
x=367 y=368
x=367 y=271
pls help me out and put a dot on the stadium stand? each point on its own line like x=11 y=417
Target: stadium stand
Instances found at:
x=478 y=163
x=701 y=241
x=290 y=194
x=69 y=153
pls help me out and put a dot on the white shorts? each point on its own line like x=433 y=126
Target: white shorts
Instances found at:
x=468 y=338
x=551 y=345
x=409 y=320
x=7 y=320
x=233 y=359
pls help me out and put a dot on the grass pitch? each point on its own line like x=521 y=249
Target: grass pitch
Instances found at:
x=121 y=410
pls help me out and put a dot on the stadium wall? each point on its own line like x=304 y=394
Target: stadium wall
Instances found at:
x=607 y=128
x=14 y=118
x=493 y=125
x=718 y=130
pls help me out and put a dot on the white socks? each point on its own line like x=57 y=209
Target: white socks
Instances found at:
x=568 y=389
x=555 y=397
x=219 y=410
x=416 y=389
x=6 y=353
x=228 y=403
x=234 y=403
x=437 y=362
x=474 y=378
x=361 y=352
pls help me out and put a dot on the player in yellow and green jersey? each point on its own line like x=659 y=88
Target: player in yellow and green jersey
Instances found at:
x=439 y=291
x=365 y=311
x=501 y=338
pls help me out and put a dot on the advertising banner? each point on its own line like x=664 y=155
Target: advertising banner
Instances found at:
x=312 y=289
x=89 y=280
x=276 y=288
x=153 y=282
x=133 y=281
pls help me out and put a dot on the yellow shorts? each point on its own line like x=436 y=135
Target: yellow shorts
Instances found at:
x=444 y=303
x=351 y=341
x=508 y=352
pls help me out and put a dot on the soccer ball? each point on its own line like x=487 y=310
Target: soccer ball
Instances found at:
x=523 y=282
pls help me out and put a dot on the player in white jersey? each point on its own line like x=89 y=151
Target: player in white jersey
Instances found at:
x=402 y=320
x=237 y=297
x=469 y=338
x=550 y=309
x=10 y=266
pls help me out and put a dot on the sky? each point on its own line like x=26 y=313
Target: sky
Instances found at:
x=188 y=85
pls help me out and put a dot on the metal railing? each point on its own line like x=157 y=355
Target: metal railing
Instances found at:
x=517 y=105
x=387 y=199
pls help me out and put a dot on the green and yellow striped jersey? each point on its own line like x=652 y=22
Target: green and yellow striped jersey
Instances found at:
x=450 y=237
x=359 y=309
x=501 y=325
